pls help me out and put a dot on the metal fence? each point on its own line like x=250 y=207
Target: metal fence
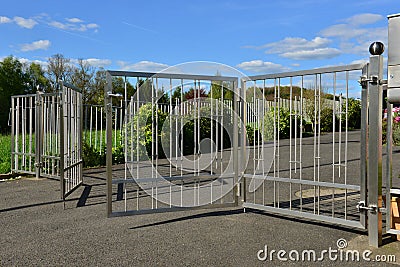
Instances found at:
x=312 y=176
x=46 y=136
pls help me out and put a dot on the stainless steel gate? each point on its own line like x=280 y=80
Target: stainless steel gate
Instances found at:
x=71 y=162
x=179 y=150
x=46 y=136
x=306 y=162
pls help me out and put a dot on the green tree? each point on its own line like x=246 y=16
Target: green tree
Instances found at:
x=220 y=87
x=82 y=76
x=36 y=77
x=13 y=81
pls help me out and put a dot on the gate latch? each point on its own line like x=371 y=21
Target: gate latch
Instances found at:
x=361 y=207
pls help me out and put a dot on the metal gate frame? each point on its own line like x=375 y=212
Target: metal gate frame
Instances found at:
x=123 y=179
x=315 y=183
x=46 y=136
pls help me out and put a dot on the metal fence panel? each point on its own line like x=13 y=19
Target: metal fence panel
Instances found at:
x=299 y=172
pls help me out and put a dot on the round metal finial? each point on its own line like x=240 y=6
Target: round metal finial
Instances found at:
x=376 y=48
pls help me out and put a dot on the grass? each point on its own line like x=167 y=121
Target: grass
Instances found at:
x=5 y=154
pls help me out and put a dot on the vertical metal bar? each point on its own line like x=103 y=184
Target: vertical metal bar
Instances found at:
x=389 y=159
x=108 y=109
x=96 y=128
x=333 y=141
x=375 y=151
x=275 y=139
x=263 y=141
x=170 y=127
x=364 y=144
x=290 y=140
x=278 y=140
x=101 y=129
x=62 y=144
x=235 y=144
x=181 y=127
x=30 y=134
x=319 y=139
x=346 y=141
x=315 y=139
x=125 y=137
x=243 y=118
x=13 y=125
x=301 y=142
x=212 y=130
x=23 y=131
x=38 y=134
x=222 y=133
x=90 y=126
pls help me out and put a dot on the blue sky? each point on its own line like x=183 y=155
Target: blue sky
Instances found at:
x=254 y=36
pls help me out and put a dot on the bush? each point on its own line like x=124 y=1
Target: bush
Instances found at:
x=327 y=120
x=395 y=127
x=353 y=114
x=92 y=157
x=284 y=124
x=205 y=129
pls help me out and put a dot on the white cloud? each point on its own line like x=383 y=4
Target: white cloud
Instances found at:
x=292 y=44
x=262 y=66
x=142 y=66
x=25 y=23
x=58 y=25
x=37 y=45
x=74 y=25
x=95 y=62
x=301 y=49
x=92 y=26
x=4 y=20
x=29 y=61
x=318 y=53
x=353 y=38
x=363 y=19
x=74 y=20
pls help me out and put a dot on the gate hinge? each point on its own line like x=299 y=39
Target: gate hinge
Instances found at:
x=373 y=79
x=362 y=207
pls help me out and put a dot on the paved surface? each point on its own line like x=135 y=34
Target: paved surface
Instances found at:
x=36 y=230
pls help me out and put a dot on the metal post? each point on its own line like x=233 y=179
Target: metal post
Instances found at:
x=108 y=108
x=375 y=149
x=38 y=133
x=235 y=143
x=13 y=123
x=389 y=160
x=364 y=143
x=243 y=108
x=63 y=137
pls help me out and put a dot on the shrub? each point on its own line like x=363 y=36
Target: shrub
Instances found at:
x=353 y=114
x=327 y=120
x=205 y=129
x=284 y=124
x=91 y=157
x=395 y=127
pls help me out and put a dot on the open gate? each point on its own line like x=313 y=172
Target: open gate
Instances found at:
x=46 y=136
x=179 y=144
x=306 y=161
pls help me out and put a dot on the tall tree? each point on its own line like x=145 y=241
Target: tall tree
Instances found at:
x=82 y=76
x=13 y=81
x=37 y=78
x=58 y=68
